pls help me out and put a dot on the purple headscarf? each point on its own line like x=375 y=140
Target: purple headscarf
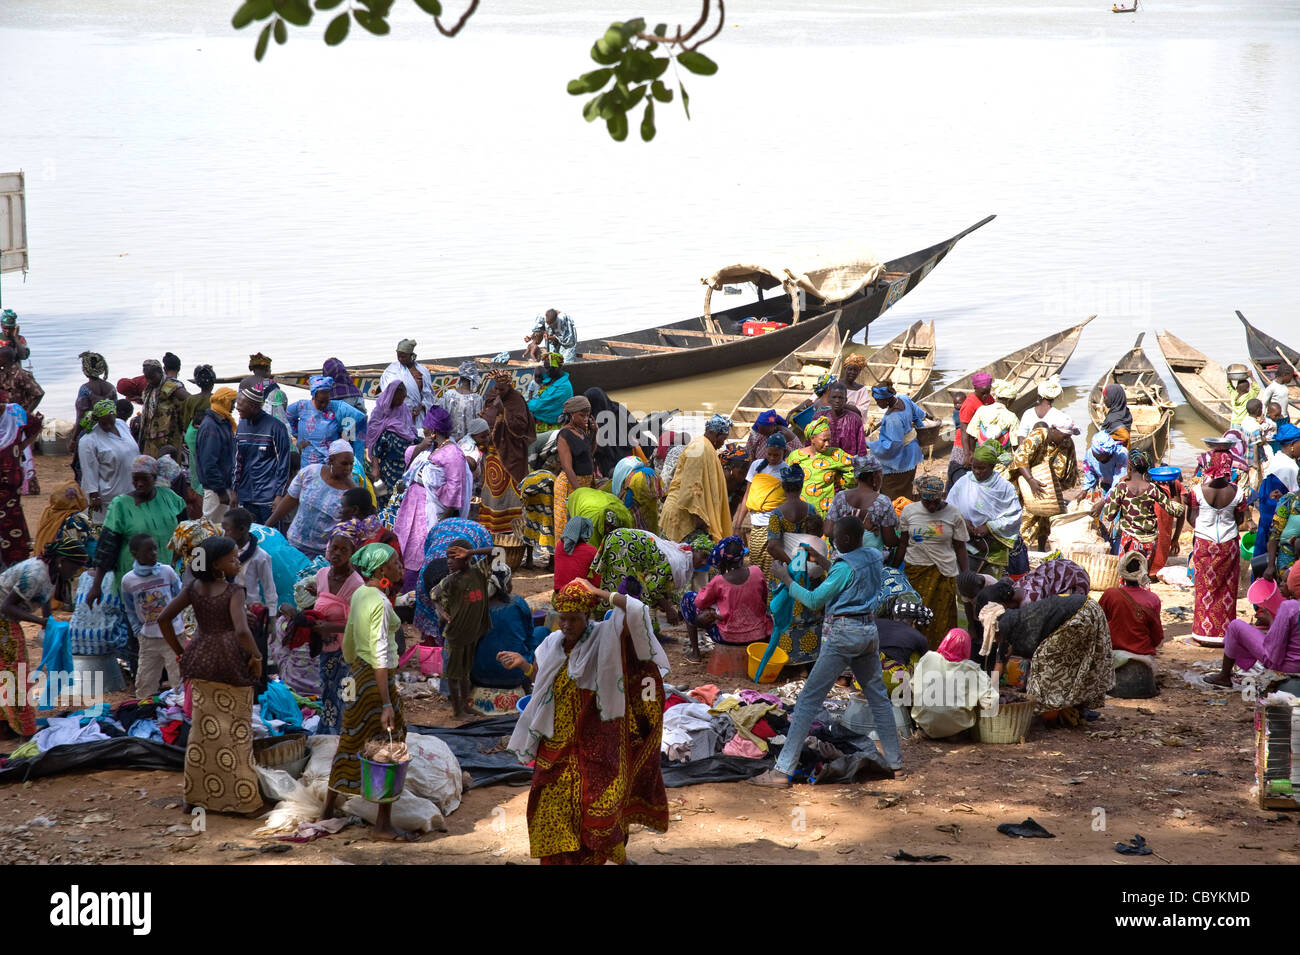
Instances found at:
x=343 y=386
x=438 y=419
x=388 y=416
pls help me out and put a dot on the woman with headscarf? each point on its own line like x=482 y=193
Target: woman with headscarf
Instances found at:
x=475 y=445
x=463 y=402
x=897 y=448
x=735 y=465
x=992 y=511
x=315 y=498
x=794 y=530
x=1054 y=444
x=591 y=735
x=635 y=483
x=345 y=389
x=664 y=569
x=763 y=494
x=827 y=469
x=215 y=458
x=389 y=432
x=867 y=504
x=1044 y=409
x=996 y=421
x=512 y=632
x=1118 y=418
x=147 y=509
x=439 y=484
x=316 y=423
x=18 y=431
x=96 y=388
x=1067 y=643
x=848 y=432
x=555 y=390
x=765 y=425
x=605 y=512
x=1216 y=508
x=513 y=427
x=932 y=548
x=577 y=463
x=948 y=688
x=809 y=408
x=66 y=505
x=616 y=431
x=734 y=601
x=374 y=707
x=334 y=586
x=1129 y=512
x=1105 y=463
x=575 y=553
x=26 y=587
x=859 y=395
x=697 y=499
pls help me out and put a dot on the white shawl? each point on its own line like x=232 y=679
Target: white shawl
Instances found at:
x=595 y=663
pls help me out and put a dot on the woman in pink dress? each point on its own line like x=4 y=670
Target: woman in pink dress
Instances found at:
x=438 y=484
x=735 y=601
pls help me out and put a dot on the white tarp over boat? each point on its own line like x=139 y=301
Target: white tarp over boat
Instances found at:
x=832 y=277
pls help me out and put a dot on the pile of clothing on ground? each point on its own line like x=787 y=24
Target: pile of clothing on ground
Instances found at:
x=705 y=722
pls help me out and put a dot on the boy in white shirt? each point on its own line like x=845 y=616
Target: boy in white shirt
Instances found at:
x=1258 y=430
x=146 y=590
x=255 y=574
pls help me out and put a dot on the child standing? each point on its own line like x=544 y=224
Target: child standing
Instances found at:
x=147 y=588
x=255 y=574
x=462 y=600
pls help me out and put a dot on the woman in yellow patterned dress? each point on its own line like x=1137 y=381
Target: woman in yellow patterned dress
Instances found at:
x=826 y=470
x=592 y=730
x=1053 y=443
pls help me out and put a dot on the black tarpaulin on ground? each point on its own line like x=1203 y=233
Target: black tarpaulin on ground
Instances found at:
x=468 y=743
x=124 y=752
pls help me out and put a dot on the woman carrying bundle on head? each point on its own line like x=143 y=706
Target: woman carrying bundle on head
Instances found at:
x=593 y=729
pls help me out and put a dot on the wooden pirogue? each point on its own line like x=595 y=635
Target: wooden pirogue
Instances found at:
x=696 y=345
x=1202 y=380
x=790 y=380
x=1268 y=354
x=1148 y=401
x=1027 y=367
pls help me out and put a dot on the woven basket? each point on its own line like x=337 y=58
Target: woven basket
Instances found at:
x=1010 y=725
x=280 y=752
x=1049 y=503
x=513 y=548
x=1103 y=569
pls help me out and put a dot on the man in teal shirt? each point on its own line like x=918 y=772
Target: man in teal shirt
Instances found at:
x=849 y=638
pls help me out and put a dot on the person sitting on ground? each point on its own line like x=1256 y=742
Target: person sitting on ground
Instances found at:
x=1133 y=615
x=512 y=632
x=146 y=589
x=734 y=602
x=850 y=639
x=462 y=601
x=948 y=688
x=1273 y=640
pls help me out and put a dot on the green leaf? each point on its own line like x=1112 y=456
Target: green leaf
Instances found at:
x=614 y=39
x=589 y=82
x=648 y=122
x=603 y=54
x=632 y=28
x=249 y=11
x=660 y=92
x=337 y=31
x=371 y=22
x=617 y=126
x=296 y=12
x=327 y=4
x=591 y=111
x=262 y=41
x=639 y=66
x=281 y=32
x=686 y=100
x=380 y=8
x=608 y=107
x=633 y=97
x=657 y=70
x=697 y=63
x=661 y=29
x=432 y=7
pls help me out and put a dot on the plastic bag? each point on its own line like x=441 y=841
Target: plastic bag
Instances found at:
x=410 y=812
x=321 y=761
x=434 y=772
x=298 y=803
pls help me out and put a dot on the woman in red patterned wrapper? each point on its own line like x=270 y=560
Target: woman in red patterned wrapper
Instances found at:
x=592 y=730
x=1216 y=509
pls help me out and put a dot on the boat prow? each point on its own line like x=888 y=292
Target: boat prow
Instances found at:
x=1268 y=354
x=1202 y=380
x=1148 y=401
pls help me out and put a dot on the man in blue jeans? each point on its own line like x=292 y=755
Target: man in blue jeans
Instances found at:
x=849 y=638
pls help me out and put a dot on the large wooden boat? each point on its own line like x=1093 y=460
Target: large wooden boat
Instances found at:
x=1268 y=354
x=696 y=345
x=1027 y=367
x=1202 y=380
x=790 y=381
x=1148 y=401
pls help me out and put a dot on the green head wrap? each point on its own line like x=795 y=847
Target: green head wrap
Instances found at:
x=371 y=558
x=988 y=452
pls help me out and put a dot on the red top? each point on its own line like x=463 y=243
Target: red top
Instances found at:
x=971 y=405
x=1134 y=618
x=742 y=611
x=569 y=567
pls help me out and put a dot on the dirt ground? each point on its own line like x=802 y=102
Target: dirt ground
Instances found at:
x=1177 y=769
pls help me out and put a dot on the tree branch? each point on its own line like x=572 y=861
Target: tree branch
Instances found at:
x=461 y=22
x=683 y=39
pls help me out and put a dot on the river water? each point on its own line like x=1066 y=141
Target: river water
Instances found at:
x=332 y=201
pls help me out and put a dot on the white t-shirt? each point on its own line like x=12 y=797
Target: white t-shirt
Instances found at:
x=1279 y=393
x=930 y=537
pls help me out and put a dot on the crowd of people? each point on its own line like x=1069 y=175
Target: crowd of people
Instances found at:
x=231 y=535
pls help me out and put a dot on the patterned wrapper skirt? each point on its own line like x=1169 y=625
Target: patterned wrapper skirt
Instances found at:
x=500 y=503
x=561 y=503
x=1073 y=666
x=939 y=593
x=899 y=484
x=361 y=724
x=13 y=657
x=333 y=668
x=1217 y=568
x=758 y=554
x=538 y=491
x=219 y=773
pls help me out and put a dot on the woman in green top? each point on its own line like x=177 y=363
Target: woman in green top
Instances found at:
x=148 y=509
x=375 y=711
